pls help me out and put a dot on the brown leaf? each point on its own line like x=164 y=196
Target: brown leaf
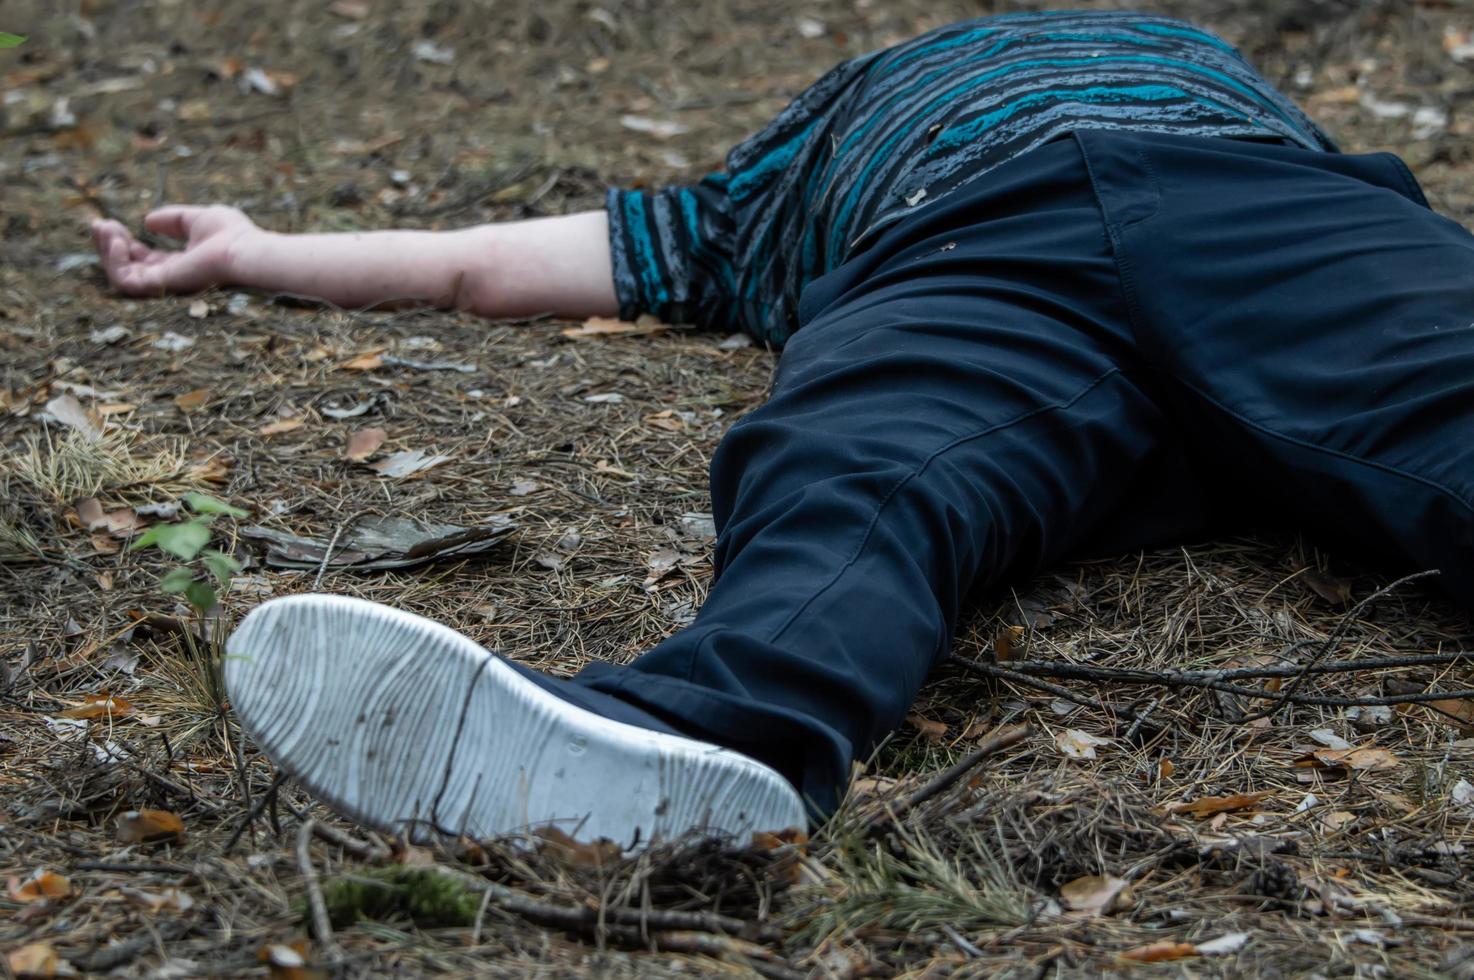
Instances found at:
x=1160 y=951
x=576 y=854
x=36 y=960
x=192 y=401
x=172 y=899
x=289 y=961
x=1457 y=712
x=1363 y=759
x=661 y=562
x=349 y=9
x=363 y=443
x=931 y=730
x=216 y=469
x=1006 y=643
x=367 y=361
x=1096 y=894
x=100 y=706
x=1336 y=591
x=280 y=426
x=139 y=826
x=69 y=412
x=41 y=884
x=115 y=408
x=1207 y=806
x=90 y=511
x=603 y=326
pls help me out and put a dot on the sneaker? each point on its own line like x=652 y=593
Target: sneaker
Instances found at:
x=408 y=726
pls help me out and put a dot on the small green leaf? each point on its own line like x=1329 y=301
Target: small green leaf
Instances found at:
x=151 y=536
x=11 y=40
x=176 y=579
x=203 y=503
x=201 y=596
x=222 y=566
x=180 y=540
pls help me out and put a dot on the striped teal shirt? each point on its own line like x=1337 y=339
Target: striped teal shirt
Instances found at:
x=893 y=131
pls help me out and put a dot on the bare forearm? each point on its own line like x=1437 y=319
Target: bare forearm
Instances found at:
x=522 y=268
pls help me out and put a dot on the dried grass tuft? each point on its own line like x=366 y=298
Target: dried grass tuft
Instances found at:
x=76 y=466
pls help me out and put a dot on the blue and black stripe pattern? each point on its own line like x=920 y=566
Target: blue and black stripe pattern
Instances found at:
x=892 y=131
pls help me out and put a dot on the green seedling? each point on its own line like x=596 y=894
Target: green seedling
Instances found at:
x=206 y=572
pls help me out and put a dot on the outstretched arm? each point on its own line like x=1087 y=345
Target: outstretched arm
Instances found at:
x=518 y=268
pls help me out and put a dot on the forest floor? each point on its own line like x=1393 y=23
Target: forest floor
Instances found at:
x=1138 y=817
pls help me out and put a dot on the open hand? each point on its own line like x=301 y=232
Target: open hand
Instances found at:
x=211 y=236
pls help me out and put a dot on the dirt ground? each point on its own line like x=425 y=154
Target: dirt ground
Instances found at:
x=1190 y=822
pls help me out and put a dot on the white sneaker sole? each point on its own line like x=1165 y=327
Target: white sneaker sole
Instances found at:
x=406 y=725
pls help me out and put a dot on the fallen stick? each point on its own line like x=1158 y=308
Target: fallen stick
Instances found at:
x=993 y=744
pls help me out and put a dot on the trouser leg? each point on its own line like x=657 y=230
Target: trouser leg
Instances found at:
x=1312 y=323
x=959 y=406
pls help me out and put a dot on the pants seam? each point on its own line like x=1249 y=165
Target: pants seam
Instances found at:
x=1410 y=183
x=917 y=471
x=1124 y=276
x=1387 y=468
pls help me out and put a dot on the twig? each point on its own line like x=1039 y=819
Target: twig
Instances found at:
x=992 y=745
x=112 y=957
x=122 y=868
x=322 y=926
x=361 y=849
x=327 y=554
x=1005 y=673
x=1282 y=697
x=261 y=804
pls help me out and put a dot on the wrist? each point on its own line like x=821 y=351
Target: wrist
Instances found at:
x=240 y=260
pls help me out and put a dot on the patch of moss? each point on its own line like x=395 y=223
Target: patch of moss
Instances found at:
x=424 y=896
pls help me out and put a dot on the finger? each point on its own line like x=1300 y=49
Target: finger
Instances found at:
x=137 y=251
x=173 y=219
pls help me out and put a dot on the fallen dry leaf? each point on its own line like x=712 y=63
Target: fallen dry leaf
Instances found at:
x=575 y=854
x=41 y=884
x=363 y=443
x=216 y=469
x=142 y=826
x=1229 y=942
x=1336 y=819
x=1454 y=711
x=406 y=463
x=1364 y=759
x=1160 y=952
x=1006 y=643
x=99 y=706
x=1077 y=744
x=1165 y=769
x=1336 y=591
x=121 y=522
x=69 y=412
x=1207 y=806
x=933 y=731
x=289 y=961
x=661 y=562
x=603 y=326
x=192 y=401
x=1096 y=894
x=281 y=425
x=367 y=361
x=36 y=960
x=169 y=900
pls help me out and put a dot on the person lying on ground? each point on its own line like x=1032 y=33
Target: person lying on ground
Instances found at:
x=1046 y=286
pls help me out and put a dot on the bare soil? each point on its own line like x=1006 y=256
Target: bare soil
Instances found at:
x=440 y=113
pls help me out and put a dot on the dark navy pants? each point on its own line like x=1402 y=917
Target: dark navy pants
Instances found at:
x=1111 y=342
